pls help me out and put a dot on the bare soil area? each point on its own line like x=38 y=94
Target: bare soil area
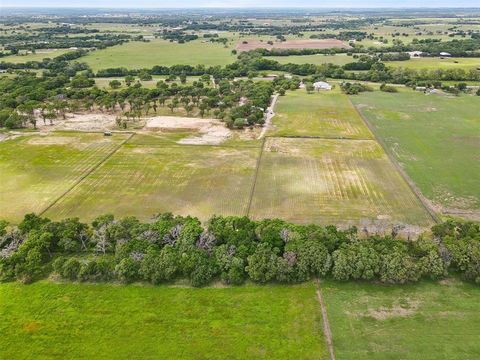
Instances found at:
x=80 y=122
x=210 y=131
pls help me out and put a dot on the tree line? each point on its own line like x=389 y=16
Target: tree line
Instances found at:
x=366 y=68
x=431 y=47
x=27 y=97
x=229 y=249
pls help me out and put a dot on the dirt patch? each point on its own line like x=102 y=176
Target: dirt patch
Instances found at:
x=210 y=131
x=407 y=308
x=292 y=44
x=52 y=140
x=454 y=203
x=448 y=282
x=81 y=122
x=31 y=327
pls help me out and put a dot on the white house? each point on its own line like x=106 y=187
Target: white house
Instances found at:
x=322 y=85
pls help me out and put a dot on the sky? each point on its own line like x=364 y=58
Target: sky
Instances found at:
x=239 y=3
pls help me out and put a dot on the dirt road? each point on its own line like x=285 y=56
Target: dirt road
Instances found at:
x=268 y=119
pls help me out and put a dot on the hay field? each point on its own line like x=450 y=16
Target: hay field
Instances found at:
x=251 y=44
x=324 y=114
x=436 y=139
x=332 y=182
x=137 y=55
x=35 y=170
x=152 y=174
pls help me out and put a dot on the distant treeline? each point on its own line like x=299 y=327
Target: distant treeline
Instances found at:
x=49 y=63
x=230 y=249
x=431 y=47
x=41 y=41
x=251 y=63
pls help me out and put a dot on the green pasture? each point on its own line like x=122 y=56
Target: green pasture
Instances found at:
x=319 y=59
x=137 y=55
x=428 y=321
x=436 y=138
x=437 y=63
x=85 y=321
x=323 y=113
x=38 y=56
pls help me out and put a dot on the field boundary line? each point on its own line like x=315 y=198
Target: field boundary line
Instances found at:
x=326 y=324
x=86 y=174
x=255 y=176
x=397 y=166
x=318 y=137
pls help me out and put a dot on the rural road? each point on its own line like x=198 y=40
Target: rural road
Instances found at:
x=270 y=115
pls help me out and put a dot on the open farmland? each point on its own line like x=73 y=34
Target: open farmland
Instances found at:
x=152 y=174
x=251 y=44
x=428 y=321
x=323 y=114
x=437 y=63
x=135 y=55
x=332 y=181
x=318 y=59
x=35 y=170
x=39 y=55
x=73 y=321
x=436 y=140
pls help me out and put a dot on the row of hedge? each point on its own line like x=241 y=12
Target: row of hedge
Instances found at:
x=230 y=249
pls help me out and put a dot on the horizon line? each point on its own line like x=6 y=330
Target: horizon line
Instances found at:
x=238 y=7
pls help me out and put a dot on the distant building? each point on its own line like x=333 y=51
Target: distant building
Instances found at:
x=322 y=85
x=414 y=54
x=445 y=54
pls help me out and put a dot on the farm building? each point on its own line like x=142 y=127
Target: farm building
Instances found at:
x=322 y=85
x=414 y=54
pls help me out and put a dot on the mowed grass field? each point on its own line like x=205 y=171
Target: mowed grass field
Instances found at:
x=137 y=55
x=332 y=182
x=437 y=63
x=323 y=114
x=81 y=321
x=151 y=174
x=35 y=170
x=338 y=59
x=435 y=138
x=427 y=321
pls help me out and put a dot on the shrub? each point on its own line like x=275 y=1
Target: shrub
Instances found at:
x=71 y=269
x=388 y=88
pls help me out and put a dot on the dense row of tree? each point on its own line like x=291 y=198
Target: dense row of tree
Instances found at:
x=231 y=249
